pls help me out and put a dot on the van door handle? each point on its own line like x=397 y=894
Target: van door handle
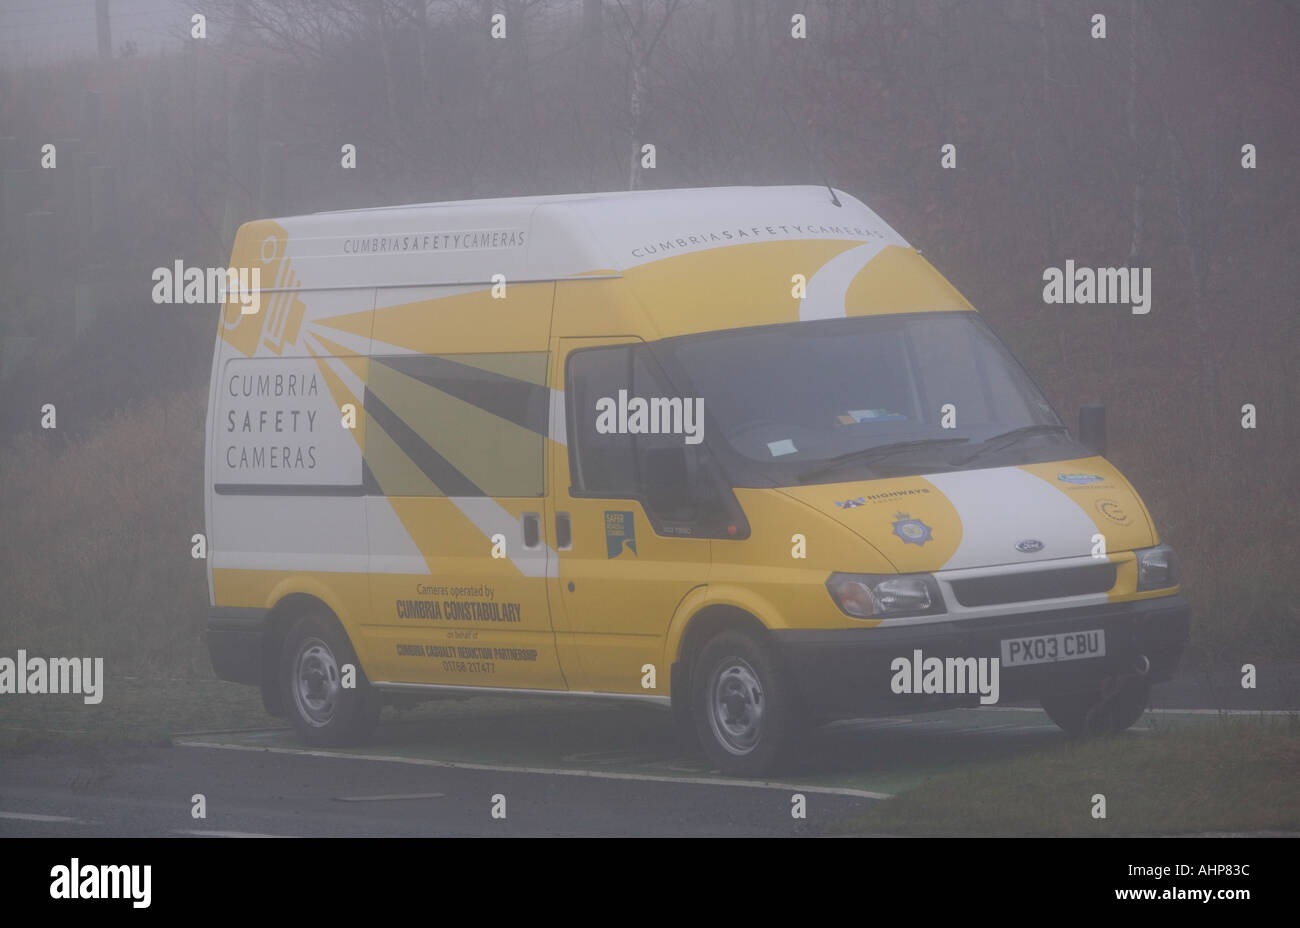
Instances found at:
x=532 y=529
x=563 y=531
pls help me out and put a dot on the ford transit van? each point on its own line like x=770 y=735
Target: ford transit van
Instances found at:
x=742 y=453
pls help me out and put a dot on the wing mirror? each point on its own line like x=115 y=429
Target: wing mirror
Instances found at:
x=1092 y=427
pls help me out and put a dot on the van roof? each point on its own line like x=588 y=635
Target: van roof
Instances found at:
x=560 y=236
x=606 y=196
x=682 y=197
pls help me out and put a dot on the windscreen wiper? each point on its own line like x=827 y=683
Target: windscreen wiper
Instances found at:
x=1007 y=439
x=865 y=455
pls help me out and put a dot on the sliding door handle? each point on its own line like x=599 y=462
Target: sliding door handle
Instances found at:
x=532 y=529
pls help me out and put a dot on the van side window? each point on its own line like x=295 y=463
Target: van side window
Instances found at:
x=667 y=466
x=457 y=425
x=614 y=454
x=601 y=461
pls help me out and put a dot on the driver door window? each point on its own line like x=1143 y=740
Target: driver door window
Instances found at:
x=633 y=436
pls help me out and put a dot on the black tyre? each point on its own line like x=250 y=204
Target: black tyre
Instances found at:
x=683 y=715
x=746 y=712
x=322 y=710
x=1110 y=707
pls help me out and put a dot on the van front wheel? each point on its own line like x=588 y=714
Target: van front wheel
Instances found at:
x=1107 y=709
x=312 y=673
x=745 y=710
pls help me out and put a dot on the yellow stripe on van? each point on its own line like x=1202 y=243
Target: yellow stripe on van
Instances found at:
x=728 y=287
x=261 y=245
x=521 y=365
x=356 y=363
x=470 y=322
x=352 y=323
x=504 y=460
x=871 y=509
x=899 y=280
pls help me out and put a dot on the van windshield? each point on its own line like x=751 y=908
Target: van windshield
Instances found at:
x=867 y=396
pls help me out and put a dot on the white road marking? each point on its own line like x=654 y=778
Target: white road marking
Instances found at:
x=389 y=798
x=1167 y=711
x=199 y=833
x=34 y=817
x=550 y=771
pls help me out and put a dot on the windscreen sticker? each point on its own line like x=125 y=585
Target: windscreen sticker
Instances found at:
x=784 y=446
x=875 y=415
x=620 y=533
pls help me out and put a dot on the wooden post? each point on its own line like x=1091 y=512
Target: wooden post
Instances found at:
x=63 y=185
x=41 y=268
x=91 y=121
x=103 y=208
x=17 y=198
x=104 y=29
x=270 y=189
x=86 y=308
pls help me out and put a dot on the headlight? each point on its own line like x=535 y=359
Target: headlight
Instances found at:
x=871 y=596
x=1156 y=568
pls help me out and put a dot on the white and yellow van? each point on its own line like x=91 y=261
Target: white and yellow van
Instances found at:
x=741 y=452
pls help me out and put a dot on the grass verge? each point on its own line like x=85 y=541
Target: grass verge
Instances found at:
x=135 y=711
x=1233 y=774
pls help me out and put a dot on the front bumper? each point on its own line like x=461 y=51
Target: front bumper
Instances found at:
x=846 y=672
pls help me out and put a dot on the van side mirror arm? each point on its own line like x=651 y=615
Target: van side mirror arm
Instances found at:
x=1092 y=427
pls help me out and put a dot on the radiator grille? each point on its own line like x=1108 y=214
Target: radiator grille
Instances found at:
x=1038 y=584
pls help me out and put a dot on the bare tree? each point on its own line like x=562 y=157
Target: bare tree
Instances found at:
x=641 y=35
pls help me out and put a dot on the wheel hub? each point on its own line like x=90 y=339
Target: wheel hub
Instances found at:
x=316 y=682
x=736 y=709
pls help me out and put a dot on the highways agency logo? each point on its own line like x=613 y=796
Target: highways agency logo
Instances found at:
x=912 y=531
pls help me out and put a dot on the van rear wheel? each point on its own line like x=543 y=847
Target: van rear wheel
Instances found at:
x=745 y=710
x=323 y=711
x=1108 y=708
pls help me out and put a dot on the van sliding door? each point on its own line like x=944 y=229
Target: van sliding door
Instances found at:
x=455 y=438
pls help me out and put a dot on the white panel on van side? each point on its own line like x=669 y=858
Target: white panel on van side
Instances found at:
x=285 y=476
x=290 y=533
x=279 y=423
